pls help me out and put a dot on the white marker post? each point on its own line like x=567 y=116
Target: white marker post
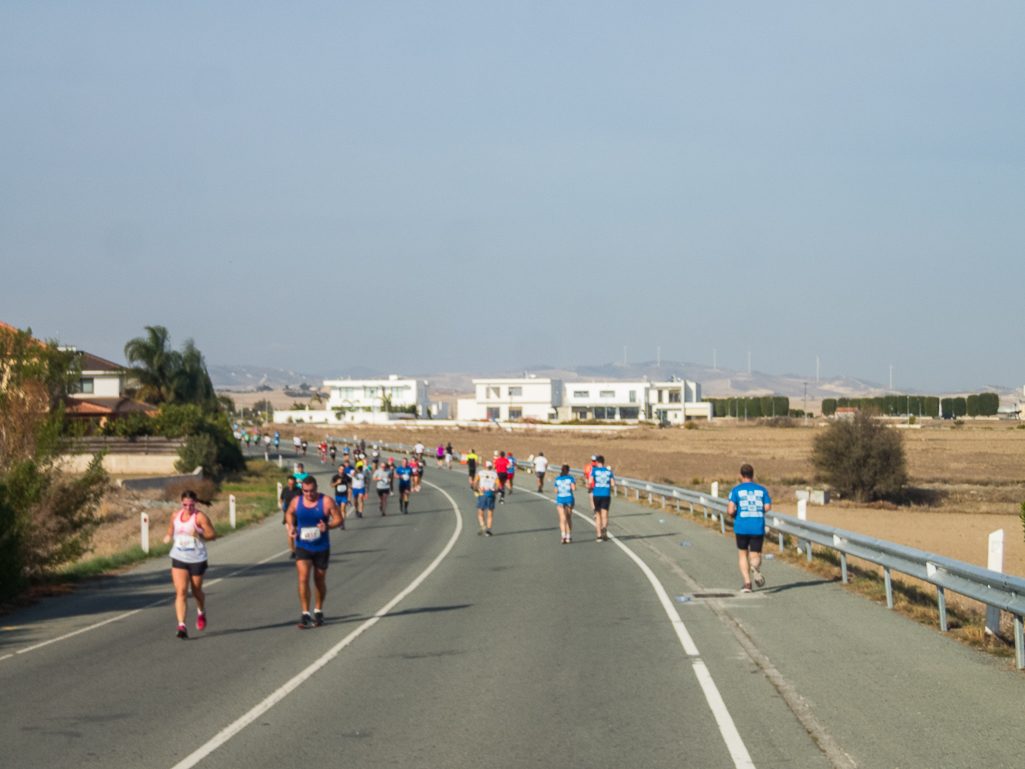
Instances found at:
x=802 y=514
x=996 y=563
x=145 y=533
x=280 y=463
x=231 y=509
x=279 y=493
x=715 y=488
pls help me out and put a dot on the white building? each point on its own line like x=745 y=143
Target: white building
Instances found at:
x=371 y=395
x=668 y=401
x=508 y=400
x=606 y=400
x=676 y=399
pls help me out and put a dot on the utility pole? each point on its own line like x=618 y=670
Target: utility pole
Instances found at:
x=805 y=404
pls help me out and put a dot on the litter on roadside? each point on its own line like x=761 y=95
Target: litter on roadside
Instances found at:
x=682 y=598
x=685 y=544
x=770 y=556
x=661 y=520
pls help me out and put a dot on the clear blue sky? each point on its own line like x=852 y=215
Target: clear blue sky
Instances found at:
x=478 y=186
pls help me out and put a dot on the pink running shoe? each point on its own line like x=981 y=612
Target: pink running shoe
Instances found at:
x=201 y=622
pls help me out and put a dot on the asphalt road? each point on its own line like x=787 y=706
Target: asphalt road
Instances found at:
x=505 y=651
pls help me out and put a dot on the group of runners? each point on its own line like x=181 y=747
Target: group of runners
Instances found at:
x=310 y=515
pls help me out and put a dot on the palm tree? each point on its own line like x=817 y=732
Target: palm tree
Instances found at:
x=192 y=381
x=155 y=364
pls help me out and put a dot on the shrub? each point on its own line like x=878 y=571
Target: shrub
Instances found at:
x=828 y=407
x=959 y=407
x=690 y=425
x=861 y=458
x=972 y=403
x=199 y=451
x=778 y=422
x=989 y=404
x=931 y=406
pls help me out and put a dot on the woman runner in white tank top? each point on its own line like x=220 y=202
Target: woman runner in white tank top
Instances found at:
x=188 y=529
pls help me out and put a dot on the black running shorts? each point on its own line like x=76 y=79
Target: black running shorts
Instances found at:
x=601 y=503
x=752 y=542
x=194 y=569
x=319 y=558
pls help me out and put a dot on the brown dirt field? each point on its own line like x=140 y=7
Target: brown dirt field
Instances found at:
x=975 y=455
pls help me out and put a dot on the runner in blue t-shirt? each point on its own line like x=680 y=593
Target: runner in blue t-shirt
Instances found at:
x=405 y=475
x=602 y=484
x=565 y=485
x=749 y=503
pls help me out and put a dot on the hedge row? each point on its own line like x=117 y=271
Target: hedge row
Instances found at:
x=981 y=405
x=765 y=406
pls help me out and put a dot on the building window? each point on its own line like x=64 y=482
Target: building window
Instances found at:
x=608 y=393
x=515 y=391
x=84 y=386
x=346 y=393
x=659 y=396
x=600 y=412
x=629 y=412
x=581 y=394
x=494 y=412
x=674 y=396
x=633 y=396
x=398 y=392
x=580 y=413
x=369 y=392
x=516 y=413
x=495 y=392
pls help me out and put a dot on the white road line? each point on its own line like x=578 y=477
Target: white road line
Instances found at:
x=728 y=729
x=127 y=614
x=230 y=731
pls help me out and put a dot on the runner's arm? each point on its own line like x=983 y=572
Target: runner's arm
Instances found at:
x=731 y=510
x=203 y=523
x=335 y=517
x=170 y=531
x=290 y=517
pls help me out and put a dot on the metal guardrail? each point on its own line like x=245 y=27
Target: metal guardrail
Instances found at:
x=1002 y=591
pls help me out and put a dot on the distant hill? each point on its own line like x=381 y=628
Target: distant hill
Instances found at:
x=251 y=377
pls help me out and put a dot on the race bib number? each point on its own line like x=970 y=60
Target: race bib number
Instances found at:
x=309 y=533
x=185 y=543
x=341 y=489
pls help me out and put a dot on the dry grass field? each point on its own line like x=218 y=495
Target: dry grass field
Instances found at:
x=972 y=477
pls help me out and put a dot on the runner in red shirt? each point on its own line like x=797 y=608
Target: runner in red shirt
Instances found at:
x=587 y=479
x=502 y=469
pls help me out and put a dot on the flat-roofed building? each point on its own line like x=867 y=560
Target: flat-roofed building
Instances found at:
x=373 y=395
x=674 y=400
x=606 y=400
x=512 y=399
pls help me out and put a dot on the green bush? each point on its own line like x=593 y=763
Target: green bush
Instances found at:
x=959 y=407
x=199 y=451
x=861 y=458
x=989 y=404
x=828 y=407
x=931 y=406
x=973 y=405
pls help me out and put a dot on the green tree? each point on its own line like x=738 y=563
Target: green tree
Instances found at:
x=46 y=516
x=972 y=404
x=931 y=406
x=989 y=404
x=959 y=406
x=828 y=407
x=166 y=375
x=861 y=458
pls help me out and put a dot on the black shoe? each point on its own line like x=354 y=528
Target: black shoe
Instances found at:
x=305 y=621
x=182 y=632
x=487 y=533
x=318 y=618
x=292 y=556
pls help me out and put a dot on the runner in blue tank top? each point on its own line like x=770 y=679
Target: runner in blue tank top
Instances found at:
x=565 y=485
x=309 y=518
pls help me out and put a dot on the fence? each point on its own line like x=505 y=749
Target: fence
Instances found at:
x=1001 y=591
x=143 y=444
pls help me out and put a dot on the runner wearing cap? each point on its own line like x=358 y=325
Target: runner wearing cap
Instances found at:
x=602 y=484
x=485 y=485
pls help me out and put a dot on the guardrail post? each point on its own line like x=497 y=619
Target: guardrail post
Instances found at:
x=889 y=587
x=780 y=542
x=145 y=533
x=691 y=508
x=677 y=505
x=996 y=563
x=843 y=567
x=722 y=523
x=1019 y=641
x=638 y=497
x=663 y=501
x=650 y=494
x=941 y=604
x=231 y=509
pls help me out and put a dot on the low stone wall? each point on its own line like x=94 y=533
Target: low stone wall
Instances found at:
x=122 y=464
x=161 y=482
